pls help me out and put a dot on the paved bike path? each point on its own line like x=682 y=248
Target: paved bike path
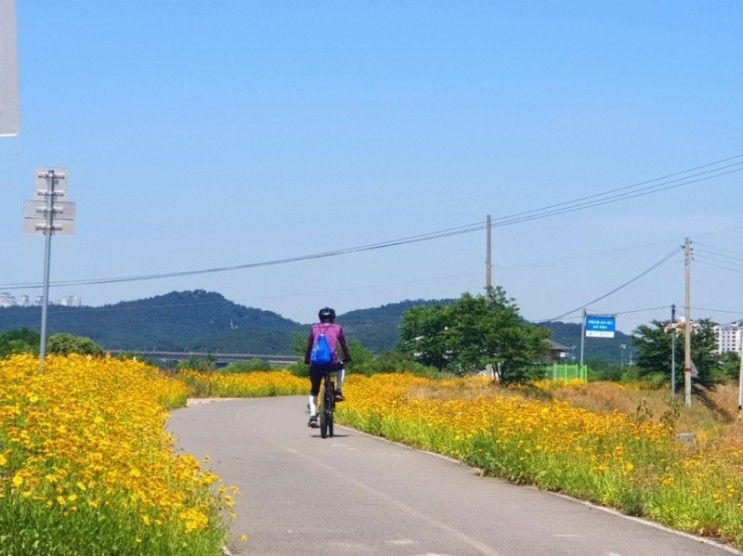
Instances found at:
x=355 y=494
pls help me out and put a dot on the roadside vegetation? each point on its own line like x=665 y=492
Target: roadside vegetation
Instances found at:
x=630 y=461
x=242 y=385
x=86 y=466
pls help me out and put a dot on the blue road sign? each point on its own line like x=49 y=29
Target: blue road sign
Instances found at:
x=600 y=326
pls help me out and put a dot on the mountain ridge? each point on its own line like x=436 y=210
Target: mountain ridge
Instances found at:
x=199 y=320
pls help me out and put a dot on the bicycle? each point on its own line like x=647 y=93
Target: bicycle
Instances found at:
x=328 y=406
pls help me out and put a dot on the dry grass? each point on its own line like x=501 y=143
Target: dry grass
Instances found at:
x=714 y=415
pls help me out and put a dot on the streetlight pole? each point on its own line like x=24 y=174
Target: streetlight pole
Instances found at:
x=489 y=256
x=582 y=336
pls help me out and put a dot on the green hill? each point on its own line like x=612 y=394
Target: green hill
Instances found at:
x=178 y=321
x=205 y=321
x=378 y=328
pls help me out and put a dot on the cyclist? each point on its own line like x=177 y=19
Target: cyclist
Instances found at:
x=334 y=335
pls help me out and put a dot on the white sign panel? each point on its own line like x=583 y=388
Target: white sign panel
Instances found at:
x=10 y=111
x=63 y=210
x=39 y=226
x=600 y=326
x=42 y=181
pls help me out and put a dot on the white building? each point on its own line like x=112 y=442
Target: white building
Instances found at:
x=729 y=337
x=70 y=301
x=7 y=300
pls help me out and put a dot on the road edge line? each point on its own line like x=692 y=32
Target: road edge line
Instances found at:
x=612 y=511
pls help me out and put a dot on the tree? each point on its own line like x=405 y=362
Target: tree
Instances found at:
x=653 y=345
x=23 y=340
x=65 y=344
x=474 y=332
x=730 y=365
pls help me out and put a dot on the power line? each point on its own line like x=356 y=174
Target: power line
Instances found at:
x=645 y=310
x=620 y=287
x=722 y=267
x=616 y=313
x=718 y=310
x=707 y=251
x=580 y=203
x=703 y=256
x=639 y=184
x=610 y=200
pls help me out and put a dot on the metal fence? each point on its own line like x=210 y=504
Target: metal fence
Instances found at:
x=565 y=371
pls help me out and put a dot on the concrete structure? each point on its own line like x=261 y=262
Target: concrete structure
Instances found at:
x=729 y=337
x=7 y=300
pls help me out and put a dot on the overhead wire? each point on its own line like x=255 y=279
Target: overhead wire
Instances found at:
x=716 y=248
x=621 y=286
x=722 y=267
x=639 y=184
x=606 y=201
x=580 y=203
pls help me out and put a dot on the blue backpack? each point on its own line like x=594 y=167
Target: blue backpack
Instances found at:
x=321 y=353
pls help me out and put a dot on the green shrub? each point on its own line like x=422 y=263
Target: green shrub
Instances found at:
x=63 y=343
x=247 y=366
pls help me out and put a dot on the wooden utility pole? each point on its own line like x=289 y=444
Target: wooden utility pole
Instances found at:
x=740 y=372
x=673 y=351
x=489 y=256
x=687 y=324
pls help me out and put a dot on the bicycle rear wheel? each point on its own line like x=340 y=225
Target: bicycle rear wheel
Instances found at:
x=323 y=423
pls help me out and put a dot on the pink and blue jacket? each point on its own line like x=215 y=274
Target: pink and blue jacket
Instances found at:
x=334 y=335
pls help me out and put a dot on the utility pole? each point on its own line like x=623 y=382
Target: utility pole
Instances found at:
x=687 y=327
x=673 y=351
x=489 y=256
x=740 y=373
x=582 y=336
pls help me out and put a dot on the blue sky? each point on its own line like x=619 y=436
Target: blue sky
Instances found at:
x=201 y=134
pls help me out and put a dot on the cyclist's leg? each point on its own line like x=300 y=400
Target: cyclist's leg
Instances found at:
x=340 y=374
x=315 y=379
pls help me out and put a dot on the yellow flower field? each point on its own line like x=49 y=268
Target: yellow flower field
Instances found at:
x=86 y=466
x=244 y=385
x=612 y=459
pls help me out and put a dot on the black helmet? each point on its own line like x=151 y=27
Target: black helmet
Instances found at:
x=326 y=314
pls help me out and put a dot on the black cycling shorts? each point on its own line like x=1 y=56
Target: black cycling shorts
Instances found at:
x=319 y=371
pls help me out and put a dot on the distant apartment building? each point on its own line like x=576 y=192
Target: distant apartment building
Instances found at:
x=70 y=301
x=7 y=300
x=729 y=337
